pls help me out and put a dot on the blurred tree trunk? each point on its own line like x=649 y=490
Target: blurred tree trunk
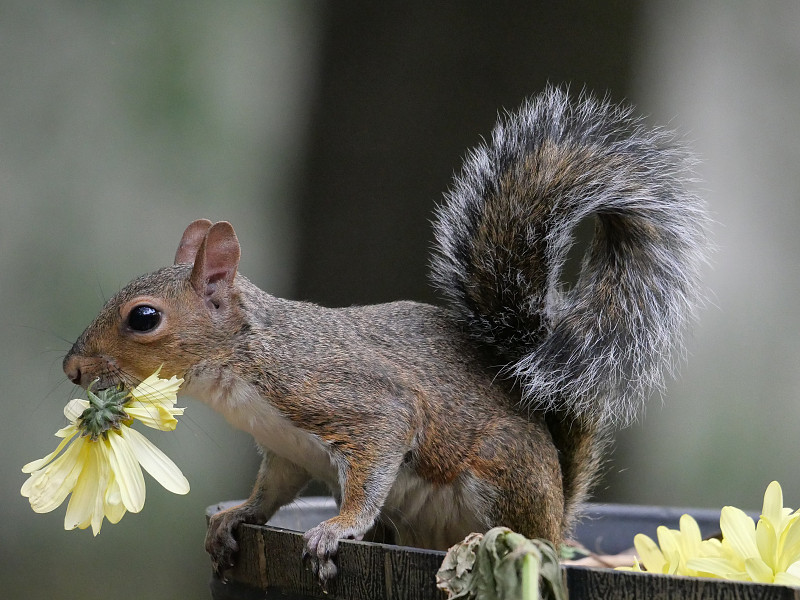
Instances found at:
x=404 y=89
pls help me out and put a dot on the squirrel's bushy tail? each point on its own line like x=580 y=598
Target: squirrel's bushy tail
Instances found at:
x=503 y=233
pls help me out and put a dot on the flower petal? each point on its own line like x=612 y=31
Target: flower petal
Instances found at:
x=113 y=506
x=67 y=431
x=156 y=462
x=127 y=473
x=787 y=579
x=740 y=532
x=794 y=569
x=670 y=549
x=758 y=570
x=711 y=548
x=153 y=402
x=81 y=504
x=47 y=488
x=154 y=415
x=35 y=465
x=103 y=471
x=767 y=542
x=636 y=567
x=773 y=504
x=716 y=567
x=75 y=408
x=157 y=390
x=690 y=535
x=790 y=545
x=651 y=555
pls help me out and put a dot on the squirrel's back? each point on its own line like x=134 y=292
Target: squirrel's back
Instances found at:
x=594 y=351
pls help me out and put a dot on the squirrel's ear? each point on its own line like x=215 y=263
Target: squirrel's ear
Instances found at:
x=191 y=240
x=217 y=259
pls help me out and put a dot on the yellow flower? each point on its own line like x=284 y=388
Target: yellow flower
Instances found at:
x=677 y=547
x=767 y=552
x=102 y=459
x=153 y=402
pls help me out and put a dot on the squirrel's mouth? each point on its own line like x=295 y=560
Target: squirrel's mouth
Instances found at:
x=100 y=384
x=98 y=372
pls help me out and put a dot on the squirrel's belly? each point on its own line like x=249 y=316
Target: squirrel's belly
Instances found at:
x=244 y=408
x=436 y=516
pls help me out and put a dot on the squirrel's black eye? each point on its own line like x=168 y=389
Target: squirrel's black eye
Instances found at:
x=144 y=318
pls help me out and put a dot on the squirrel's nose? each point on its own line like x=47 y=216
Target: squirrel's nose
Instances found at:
x=72 y=369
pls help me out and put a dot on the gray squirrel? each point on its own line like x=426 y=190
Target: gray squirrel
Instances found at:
x=439 y=421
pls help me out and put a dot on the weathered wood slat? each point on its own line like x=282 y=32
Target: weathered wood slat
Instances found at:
x=269 y=565
x=270 y=559
x=605 y=584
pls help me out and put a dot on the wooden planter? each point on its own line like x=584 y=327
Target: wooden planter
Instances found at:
x=269 y=562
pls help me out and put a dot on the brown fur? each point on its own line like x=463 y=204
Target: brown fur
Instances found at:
x=437 y=422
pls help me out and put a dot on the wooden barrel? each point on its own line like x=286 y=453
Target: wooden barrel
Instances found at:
x=269 y=563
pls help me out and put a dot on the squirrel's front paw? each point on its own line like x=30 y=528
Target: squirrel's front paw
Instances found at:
x=322 y=542
x=221 y=545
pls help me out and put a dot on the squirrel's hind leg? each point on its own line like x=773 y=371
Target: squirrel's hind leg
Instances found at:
x=511 y=477
x=520 y=463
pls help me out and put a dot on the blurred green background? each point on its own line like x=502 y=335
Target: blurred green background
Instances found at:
x=326 y=133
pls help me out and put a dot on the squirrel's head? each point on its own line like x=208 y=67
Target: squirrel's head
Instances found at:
x=177 y=316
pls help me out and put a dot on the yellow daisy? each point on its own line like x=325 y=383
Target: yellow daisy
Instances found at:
x=102 y=459
x=674 y=550
x=763 y=552
x=153 y=402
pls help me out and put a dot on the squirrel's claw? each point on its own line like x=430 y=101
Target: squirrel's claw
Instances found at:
x=221 y=544
x=322 y=542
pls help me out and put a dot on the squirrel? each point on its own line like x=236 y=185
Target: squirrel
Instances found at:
x=434 y=422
